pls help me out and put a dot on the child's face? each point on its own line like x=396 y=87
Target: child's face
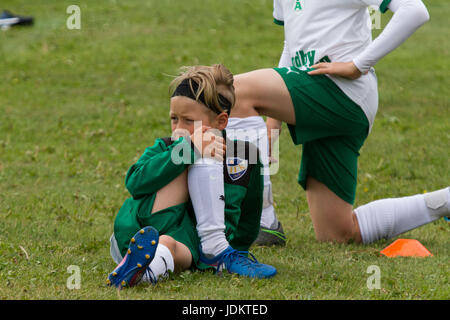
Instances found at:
x=185 y=111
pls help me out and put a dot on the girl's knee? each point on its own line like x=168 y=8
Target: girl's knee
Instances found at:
x=172 y=194
x=169 y=242
x=341 y=233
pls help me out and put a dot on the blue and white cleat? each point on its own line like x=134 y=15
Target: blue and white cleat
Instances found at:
x=236 y=262
x=140 y=254
x=447 y=219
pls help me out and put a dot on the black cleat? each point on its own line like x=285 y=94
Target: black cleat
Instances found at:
x=8 y=19
x=271 y=237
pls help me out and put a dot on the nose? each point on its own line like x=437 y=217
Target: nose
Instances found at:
x=180 y=130
x=180 y=126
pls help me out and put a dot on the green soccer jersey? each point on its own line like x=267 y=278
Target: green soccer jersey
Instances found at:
x=164 y=161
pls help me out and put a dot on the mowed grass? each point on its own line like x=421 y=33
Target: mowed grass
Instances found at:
x=78 y=107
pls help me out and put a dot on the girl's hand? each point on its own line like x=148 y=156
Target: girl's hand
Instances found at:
x=209 y=142
x=344 y=69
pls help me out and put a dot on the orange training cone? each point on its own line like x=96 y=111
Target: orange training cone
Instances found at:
x=406 y=248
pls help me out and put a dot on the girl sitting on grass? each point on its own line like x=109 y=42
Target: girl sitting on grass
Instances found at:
x=179 y=216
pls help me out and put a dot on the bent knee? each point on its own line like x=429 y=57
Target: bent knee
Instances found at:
x=172 y=194
x=340 y=233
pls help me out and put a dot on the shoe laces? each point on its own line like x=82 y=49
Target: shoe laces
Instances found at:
x=151 y=275
x=244 y=260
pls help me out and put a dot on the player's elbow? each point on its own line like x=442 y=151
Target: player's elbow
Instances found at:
x=131 y=189
x=420 y=14
x=132 y=185
x=413 y=10
x=426 y=16
x=423 y=15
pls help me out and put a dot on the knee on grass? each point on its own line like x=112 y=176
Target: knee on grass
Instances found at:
x=342 y=233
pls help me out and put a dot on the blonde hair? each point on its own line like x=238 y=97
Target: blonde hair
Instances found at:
x=211 y=81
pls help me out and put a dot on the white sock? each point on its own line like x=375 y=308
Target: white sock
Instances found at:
x=161 y=264
x=206 y=190
x=268 y=217
x=254 y=130
x=388 y=218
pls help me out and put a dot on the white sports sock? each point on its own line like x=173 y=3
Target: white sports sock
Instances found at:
x=388 y=218
x=253 y=129
x=206 y=190
x=268 y=217
x=161 y=264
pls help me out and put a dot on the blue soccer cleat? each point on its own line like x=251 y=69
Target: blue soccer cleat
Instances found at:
x=140 y=254
x=236 y=262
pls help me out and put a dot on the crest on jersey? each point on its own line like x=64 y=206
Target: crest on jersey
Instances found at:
x=236 y=167
x=299 y=5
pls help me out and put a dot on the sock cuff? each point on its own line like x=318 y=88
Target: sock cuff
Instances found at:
x=244 y=124
x=205 y=161
x=438 y=201
x=362 y=222
x=164 y=252
x=376 y=220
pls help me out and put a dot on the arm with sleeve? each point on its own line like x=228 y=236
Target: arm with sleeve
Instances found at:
x=408 y=16
x=159 y=165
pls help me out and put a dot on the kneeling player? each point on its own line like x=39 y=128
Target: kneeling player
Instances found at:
x=171 y=221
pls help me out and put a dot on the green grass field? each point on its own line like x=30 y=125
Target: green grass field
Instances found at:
x=78 y=107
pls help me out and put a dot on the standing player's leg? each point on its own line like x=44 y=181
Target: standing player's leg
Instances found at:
x=254 y=130
x=387 y=218
x=334 y=219
x=265 y=92
x=330 y=166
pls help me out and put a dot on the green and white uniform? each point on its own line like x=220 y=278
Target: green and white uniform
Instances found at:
x=156 y=168
x=334 y=115
x=332 y=30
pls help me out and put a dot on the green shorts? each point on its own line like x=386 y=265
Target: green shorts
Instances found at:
x=177 y=222
x=330 y=126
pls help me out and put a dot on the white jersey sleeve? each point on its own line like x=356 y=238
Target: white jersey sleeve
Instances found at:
x=278 y=17
x=381 y=4
x=408 y=16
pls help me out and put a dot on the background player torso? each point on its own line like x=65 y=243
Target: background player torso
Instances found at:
x=332 y=30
